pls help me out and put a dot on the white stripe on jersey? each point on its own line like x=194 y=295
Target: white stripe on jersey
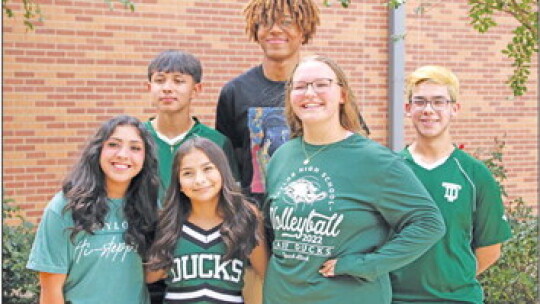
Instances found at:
x=203 y=292
x=199 y=236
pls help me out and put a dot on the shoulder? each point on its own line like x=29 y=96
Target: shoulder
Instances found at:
x=214 y=135
x=55 y=210
x=286 y=148
x=376 y=162
x=254 y=72
x=57 y=203
x=472 y=165
x=373 y=151
x=280 y=158
x=237 y=86
x=150 y=128
x=466 y=157
x=250 y=75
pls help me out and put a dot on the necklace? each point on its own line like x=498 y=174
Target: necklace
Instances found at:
x=309 y=157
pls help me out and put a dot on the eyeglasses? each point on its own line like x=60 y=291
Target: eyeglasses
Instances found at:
x=437 y=104
x=285 y=23
x=319 y=85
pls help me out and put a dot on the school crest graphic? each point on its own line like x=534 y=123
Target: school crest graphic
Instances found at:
x=451 y=192
x=304 y=190
x=306 y=223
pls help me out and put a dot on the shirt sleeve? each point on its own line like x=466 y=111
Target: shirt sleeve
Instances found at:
x=50 y=249
x=417 y=222
x=490 y=223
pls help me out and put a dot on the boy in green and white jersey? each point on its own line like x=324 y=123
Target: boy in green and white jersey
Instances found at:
x=174 y=80
x=465 y=191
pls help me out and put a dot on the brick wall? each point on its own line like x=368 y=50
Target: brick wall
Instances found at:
x=489 y=110
x=86 y=63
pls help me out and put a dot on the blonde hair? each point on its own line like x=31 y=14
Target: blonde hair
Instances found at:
x=349 y=115
x=435 y=74
x=305 y=14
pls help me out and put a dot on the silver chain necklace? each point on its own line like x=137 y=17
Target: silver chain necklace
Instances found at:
x=309 y=157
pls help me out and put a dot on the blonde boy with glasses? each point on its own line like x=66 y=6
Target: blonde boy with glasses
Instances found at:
x=463 y=188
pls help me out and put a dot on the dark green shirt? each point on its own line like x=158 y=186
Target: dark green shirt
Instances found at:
x=470 y=201
x=357 y=202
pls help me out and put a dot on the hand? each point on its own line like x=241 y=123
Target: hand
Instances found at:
x=327 y=269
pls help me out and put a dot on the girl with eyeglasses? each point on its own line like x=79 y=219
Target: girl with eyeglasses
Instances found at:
x=342 y=211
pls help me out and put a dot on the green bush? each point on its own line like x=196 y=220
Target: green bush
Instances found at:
x=19 y=285
x=514 y=278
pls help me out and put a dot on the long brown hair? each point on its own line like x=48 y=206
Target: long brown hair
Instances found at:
x=85 y=191
x=239 y=227
x=349 y=115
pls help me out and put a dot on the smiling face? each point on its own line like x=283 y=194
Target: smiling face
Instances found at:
x=199 y=178
x=172 y=92
x=121 y=159
x=319 y=102
x=280 y=40
x=428 y=122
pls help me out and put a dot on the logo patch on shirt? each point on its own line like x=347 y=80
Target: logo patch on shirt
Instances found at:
x=451 y=192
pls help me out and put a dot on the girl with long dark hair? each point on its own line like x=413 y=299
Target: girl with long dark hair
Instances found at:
x=94 y=234
x=207 y=232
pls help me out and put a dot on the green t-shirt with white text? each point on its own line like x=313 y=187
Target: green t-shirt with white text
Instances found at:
x=355 y=201
x=100 y=268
